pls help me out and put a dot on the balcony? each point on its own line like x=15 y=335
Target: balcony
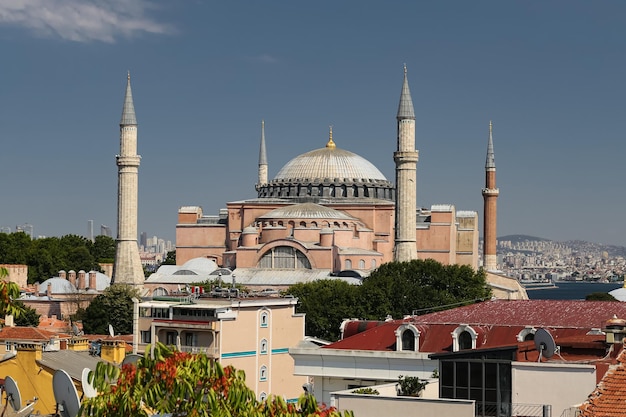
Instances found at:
x=210 y=351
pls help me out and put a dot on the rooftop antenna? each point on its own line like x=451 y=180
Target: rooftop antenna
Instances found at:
x=14 y=398
x=65 y=394
x=89 y=390
x=544 y=343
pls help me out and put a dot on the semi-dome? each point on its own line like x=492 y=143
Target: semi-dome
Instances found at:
x=306 y=211
x=328 y=173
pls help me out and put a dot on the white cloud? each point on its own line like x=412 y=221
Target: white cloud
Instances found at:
x=82 y=20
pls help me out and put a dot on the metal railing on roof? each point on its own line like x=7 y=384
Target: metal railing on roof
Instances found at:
x=485 y=409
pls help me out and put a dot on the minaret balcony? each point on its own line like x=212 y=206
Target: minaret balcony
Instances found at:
x=491 y=191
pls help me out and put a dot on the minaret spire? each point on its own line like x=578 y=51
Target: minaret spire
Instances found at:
x=128 y=111
x=262 y=157
x=330 y=144
x=127 y=268
x=490 y=197
x=406 y=178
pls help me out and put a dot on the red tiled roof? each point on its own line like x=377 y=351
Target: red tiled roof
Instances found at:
x=538 y=313
x=498 y=323
x=609 y=397
x=26 y=334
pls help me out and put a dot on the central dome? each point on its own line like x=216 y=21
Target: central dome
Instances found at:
x=330 y=163
x=328 y=174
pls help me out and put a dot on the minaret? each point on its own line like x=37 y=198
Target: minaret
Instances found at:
x=490 y=195
x=406 y=166
x=127 y=268
x=262 y=157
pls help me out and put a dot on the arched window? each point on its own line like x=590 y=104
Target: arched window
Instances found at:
x=373 y=263
x=407 y=338
x=264 y=319
x=465 y=340
x=263 y=373
x=159 y=292
x=348 y=264
x=526 y=334
x=262 y=396
x=464 y=337
x=284 y=257
x=263 y=347
x=362 y=264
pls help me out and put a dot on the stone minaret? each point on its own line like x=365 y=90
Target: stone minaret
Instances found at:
x=490 y=195
x=406 y=166
x=262 y=157
x=127 y=268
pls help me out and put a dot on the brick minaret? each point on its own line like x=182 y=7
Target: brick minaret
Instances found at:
x=127 y=268
x=490 y=195
x=406 y=172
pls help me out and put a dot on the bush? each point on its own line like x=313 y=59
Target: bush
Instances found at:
x=410 y=386
x=366 y=390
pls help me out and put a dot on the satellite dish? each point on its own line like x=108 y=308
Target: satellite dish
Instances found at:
x=131 y=358
x=13 y=393
x=88 y=389
x=111 y=332
x=65 y=394
x=544 y=343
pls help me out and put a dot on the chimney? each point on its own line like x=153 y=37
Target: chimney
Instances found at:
x=72 y=278
x=49 y=291
x=62 y=274
x=615 y=330
x=8 y=321
x=92 y=280
x=81 y=280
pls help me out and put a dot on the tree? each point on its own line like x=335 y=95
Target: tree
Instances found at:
x=29 y=316
x=115 y=307
x=600 y=296
x=170 y=258
x=103 y=249
x=326 y=303
x=395 y=288
x=401 y=288
x=182 y=384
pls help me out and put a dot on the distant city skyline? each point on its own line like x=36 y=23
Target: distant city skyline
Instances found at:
x=549 y=75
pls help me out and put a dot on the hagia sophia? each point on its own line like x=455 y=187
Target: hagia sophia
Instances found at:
x=331 y=213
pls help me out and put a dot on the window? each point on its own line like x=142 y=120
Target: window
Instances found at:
x=9 y=346
x=263 y=347
x=284 y=257
x=170 y=338
x=373 y=263
x=146 y=336
x=464 y=337
x=191 y=339
x=348 y=264
x=262 y=396
x=362 y=264
x=264 y=318
x=263 y=373
x=407 y=338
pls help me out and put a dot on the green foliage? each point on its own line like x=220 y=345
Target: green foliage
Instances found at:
x=600 y=296
x=29 y=316
x=170 y=258
x=9 y=293
x=411 y=386
x=326 y=303
x=366 y=390
x=115 y=307
x=182 y=384
x=396 y=289
x=45 y=257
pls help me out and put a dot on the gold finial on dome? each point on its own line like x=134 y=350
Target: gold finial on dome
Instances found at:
x=331 y=144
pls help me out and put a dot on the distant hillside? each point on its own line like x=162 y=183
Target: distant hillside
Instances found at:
x=521 y=238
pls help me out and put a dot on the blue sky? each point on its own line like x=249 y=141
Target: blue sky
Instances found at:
x=550 y=74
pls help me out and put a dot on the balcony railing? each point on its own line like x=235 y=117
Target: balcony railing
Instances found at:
x=513 y=410
x=207 y=350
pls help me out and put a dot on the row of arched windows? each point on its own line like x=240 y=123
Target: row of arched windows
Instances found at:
x=463 y=337
x=361 y=264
